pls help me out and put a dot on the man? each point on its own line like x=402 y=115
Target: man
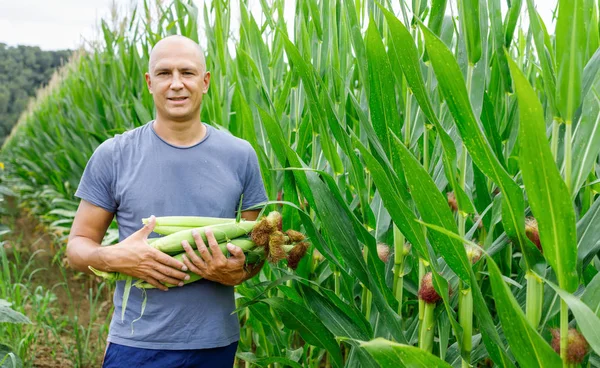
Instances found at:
x=174 y=165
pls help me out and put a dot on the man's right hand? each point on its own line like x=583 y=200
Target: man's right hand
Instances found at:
x=135 y=257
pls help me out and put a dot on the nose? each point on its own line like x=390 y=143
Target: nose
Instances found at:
x=176 y=81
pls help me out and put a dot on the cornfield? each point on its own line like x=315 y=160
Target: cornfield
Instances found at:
x=447 y=145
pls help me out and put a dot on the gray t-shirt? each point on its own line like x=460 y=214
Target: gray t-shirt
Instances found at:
x=137 y=174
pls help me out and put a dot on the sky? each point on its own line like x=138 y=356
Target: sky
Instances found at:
x=66 y=24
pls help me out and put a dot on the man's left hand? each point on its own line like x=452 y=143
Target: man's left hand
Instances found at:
x=213 y=265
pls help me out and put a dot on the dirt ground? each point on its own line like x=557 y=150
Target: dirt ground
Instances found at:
x=28 y=236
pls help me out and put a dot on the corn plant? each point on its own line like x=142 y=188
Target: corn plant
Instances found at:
x=465 y=144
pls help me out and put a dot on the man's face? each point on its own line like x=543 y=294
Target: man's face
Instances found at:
x=177 y=81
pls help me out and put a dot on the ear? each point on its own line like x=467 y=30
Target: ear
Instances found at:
x=148 y=82
x=206 y=81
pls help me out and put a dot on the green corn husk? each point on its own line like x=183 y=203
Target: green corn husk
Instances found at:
x=254 y=256
x=189 y=221
x=246 y=244
x=171 y=244
x=168 y=230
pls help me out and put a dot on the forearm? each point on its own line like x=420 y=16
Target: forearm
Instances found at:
x=83 y=252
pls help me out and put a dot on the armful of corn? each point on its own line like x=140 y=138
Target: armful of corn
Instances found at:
x=260 y=240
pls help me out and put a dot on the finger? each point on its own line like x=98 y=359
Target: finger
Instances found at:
x=152 y=281
x=204 y=253
x=237 y=254
x=214 y=245
x=193 y=256
x=171 y=272
x=164 y=279
x=192 y=266
x=168 y=260
x=148 y=228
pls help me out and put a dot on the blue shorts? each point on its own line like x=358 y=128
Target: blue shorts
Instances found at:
x=120 y=356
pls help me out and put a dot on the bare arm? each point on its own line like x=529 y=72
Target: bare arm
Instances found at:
x=89 y=226
x=133 y=256
x=250 y=215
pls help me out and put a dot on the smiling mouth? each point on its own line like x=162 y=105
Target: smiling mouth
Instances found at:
x=177 y=98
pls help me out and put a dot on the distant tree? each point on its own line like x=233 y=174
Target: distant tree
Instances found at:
x=23 y=70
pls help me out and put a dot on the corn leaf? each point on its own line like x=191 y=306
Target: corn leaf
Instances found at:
x=360 y=358
x=512 y=17
x=586 y=139
x=406 y=221
x=590 y=13
x=382 y=96
x=373 y=263
x=339 y=230
x=267 y=362
x=436 y=17
x=340 y=318
x=469 y=22
x=497 y=35
x=312 y=330
x=490 y=128
x=405 y=54
x=570 y=51
x=588 y=229
x=591 y=295
x=390 y=354
x=8 y=358
x=587 y=321
x=275 y=134
x=491 y=338
x=590 y=71
x=433 y=208
x=8 y=315
x=454 y=91
x=402 y=215
x=528 y=347
x=357 y=42
x=549 y=77
x=547 y=192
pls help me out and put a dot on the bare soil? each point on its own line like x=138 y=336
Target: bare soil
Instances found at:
x=49 y=351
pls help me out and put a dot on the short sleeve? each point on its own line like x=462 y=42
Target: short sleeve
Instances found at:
x=254 y=189
x=97 y=184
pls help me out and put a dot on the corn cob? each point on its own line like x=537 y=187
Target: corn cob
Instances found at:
x=245 y=244
x=254 y=254
x=171 y=244
x=252 y=257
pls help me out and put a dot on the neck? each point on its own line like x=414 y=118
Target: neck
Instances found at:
x=180 y=133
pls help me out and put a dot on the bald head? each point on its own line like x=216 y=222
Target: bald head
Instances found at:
x=177 y=44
